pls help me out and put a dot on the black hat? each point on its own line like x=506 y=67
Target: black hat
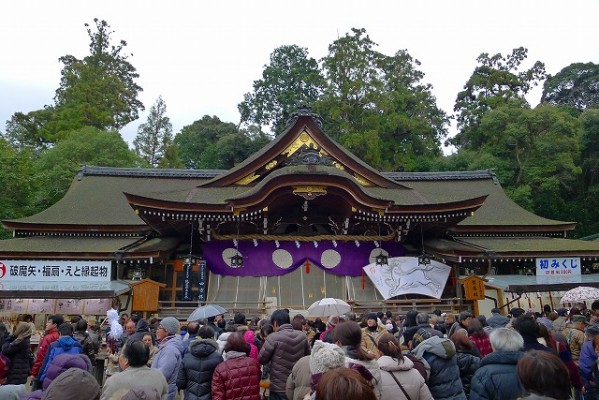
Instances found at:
x=371 y=315
x=517 y=311
x=562 y=311
x=495 y=311
x=592 y=330
x=465 y=314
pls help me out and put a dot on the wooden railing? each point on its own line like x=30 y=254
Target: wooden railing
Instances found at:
x=182 y=309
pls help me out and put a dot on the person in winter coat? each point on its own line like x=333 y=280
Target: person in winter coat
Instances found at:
x=440 y=354
x=349 y=336
x=397 y=370
x=298 y=381
x=12 y=392
x=192 y=332
x=170 y=348
x=73 y=384
x=587 y=363
x=61 y=363
x=324 y=357
x=543 y=376
x=87 y=344
x=479 y=337
x=250 y=338
x=51 y=335
x=136 y=378
x=238 y=377
x=65 y=344
x=496 y=377
x=371 y=334
x=497 y=320
x=282 y=349
x=18 y=349
x=141 y=328
x=148 y=339
x=199 y=363
x=468 y=358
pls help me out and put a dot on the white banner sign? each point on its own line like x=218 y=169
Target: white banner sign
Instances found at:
x=54 y=271
x=558 y=270
x=403 y=275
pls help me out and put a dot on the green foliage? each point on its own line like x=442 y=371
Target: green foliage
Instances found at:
x=540 y=153
x=16 y=180
x=28 y=130
x=98 y=91
x=590 y=146
x=56 y=167
x=495 y=82
x=376 y=106
x=213 y=144
x=576 y=85
x=291 y=78
x=155 y=135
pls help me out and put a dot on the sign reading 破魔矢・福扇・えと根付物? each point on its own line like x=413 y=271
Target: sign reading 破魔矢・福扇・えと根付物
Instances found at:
x=54 y=271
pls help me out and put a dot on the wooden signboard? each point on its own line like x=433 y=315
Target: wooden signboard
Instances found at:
x=41 y=306
x=145 y=295
x=474 y=286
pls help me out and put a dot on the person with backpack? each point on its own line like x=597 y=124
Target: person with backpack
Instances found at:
x=51 y=335
x=17 y=350
x=66 y=344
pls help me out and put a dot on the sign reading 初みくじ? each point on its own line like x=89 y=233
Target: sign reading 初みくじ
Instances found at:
x=558 y=269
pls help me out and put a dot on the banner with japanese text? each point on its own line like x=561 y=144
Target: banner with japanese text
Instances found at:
x=54 y=271
x=558 y=270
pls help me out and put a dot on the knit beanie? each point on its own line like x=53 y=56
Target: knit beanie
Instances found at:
x=326 y=356
x=170 y=324
x=420 y=336
x=371 y=315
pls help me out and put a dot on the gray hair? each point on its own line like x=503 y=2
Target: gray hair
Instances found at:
x=422 y=318
x=506 y=339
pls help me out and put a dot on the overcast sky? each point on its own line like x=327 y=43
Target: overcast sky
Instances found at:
x=203 y=56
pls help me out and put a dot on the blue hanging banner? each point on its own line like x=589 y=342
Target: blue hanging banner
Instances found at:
x=187 y=281
x=203 y=281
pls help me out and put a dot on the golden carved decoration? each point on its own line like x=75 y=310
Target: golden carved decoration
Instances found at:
x=362 y=181
x=380 y=211
x=338 y=165
x=304 y=139
x=309 y=192
x=247 y=179
x=271 y=165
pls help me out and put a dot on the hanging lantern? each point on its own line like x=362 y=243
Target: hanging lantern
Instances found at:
x=381 y=259
x=236 y=261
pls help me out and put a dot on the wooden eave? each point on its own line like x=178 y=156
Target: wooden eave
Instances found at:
x=60 y=228
x=334 y=185
x=511 y=229
x=273 y=151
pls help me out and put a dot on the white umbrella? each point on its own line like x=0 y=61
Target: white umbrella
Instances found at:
x=580 y=294
x=207 y=311
x=327 y=307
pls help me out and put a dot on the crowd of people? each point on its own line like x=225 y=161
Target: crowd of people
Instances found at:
x=419 y=356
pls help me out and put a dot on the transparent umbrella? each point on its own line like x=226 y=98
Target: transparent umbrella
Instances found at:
x=327 y=307
x=207 y=311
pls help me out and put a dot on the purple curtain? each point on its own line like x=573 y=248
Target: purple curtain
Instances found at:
x=269 y=259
